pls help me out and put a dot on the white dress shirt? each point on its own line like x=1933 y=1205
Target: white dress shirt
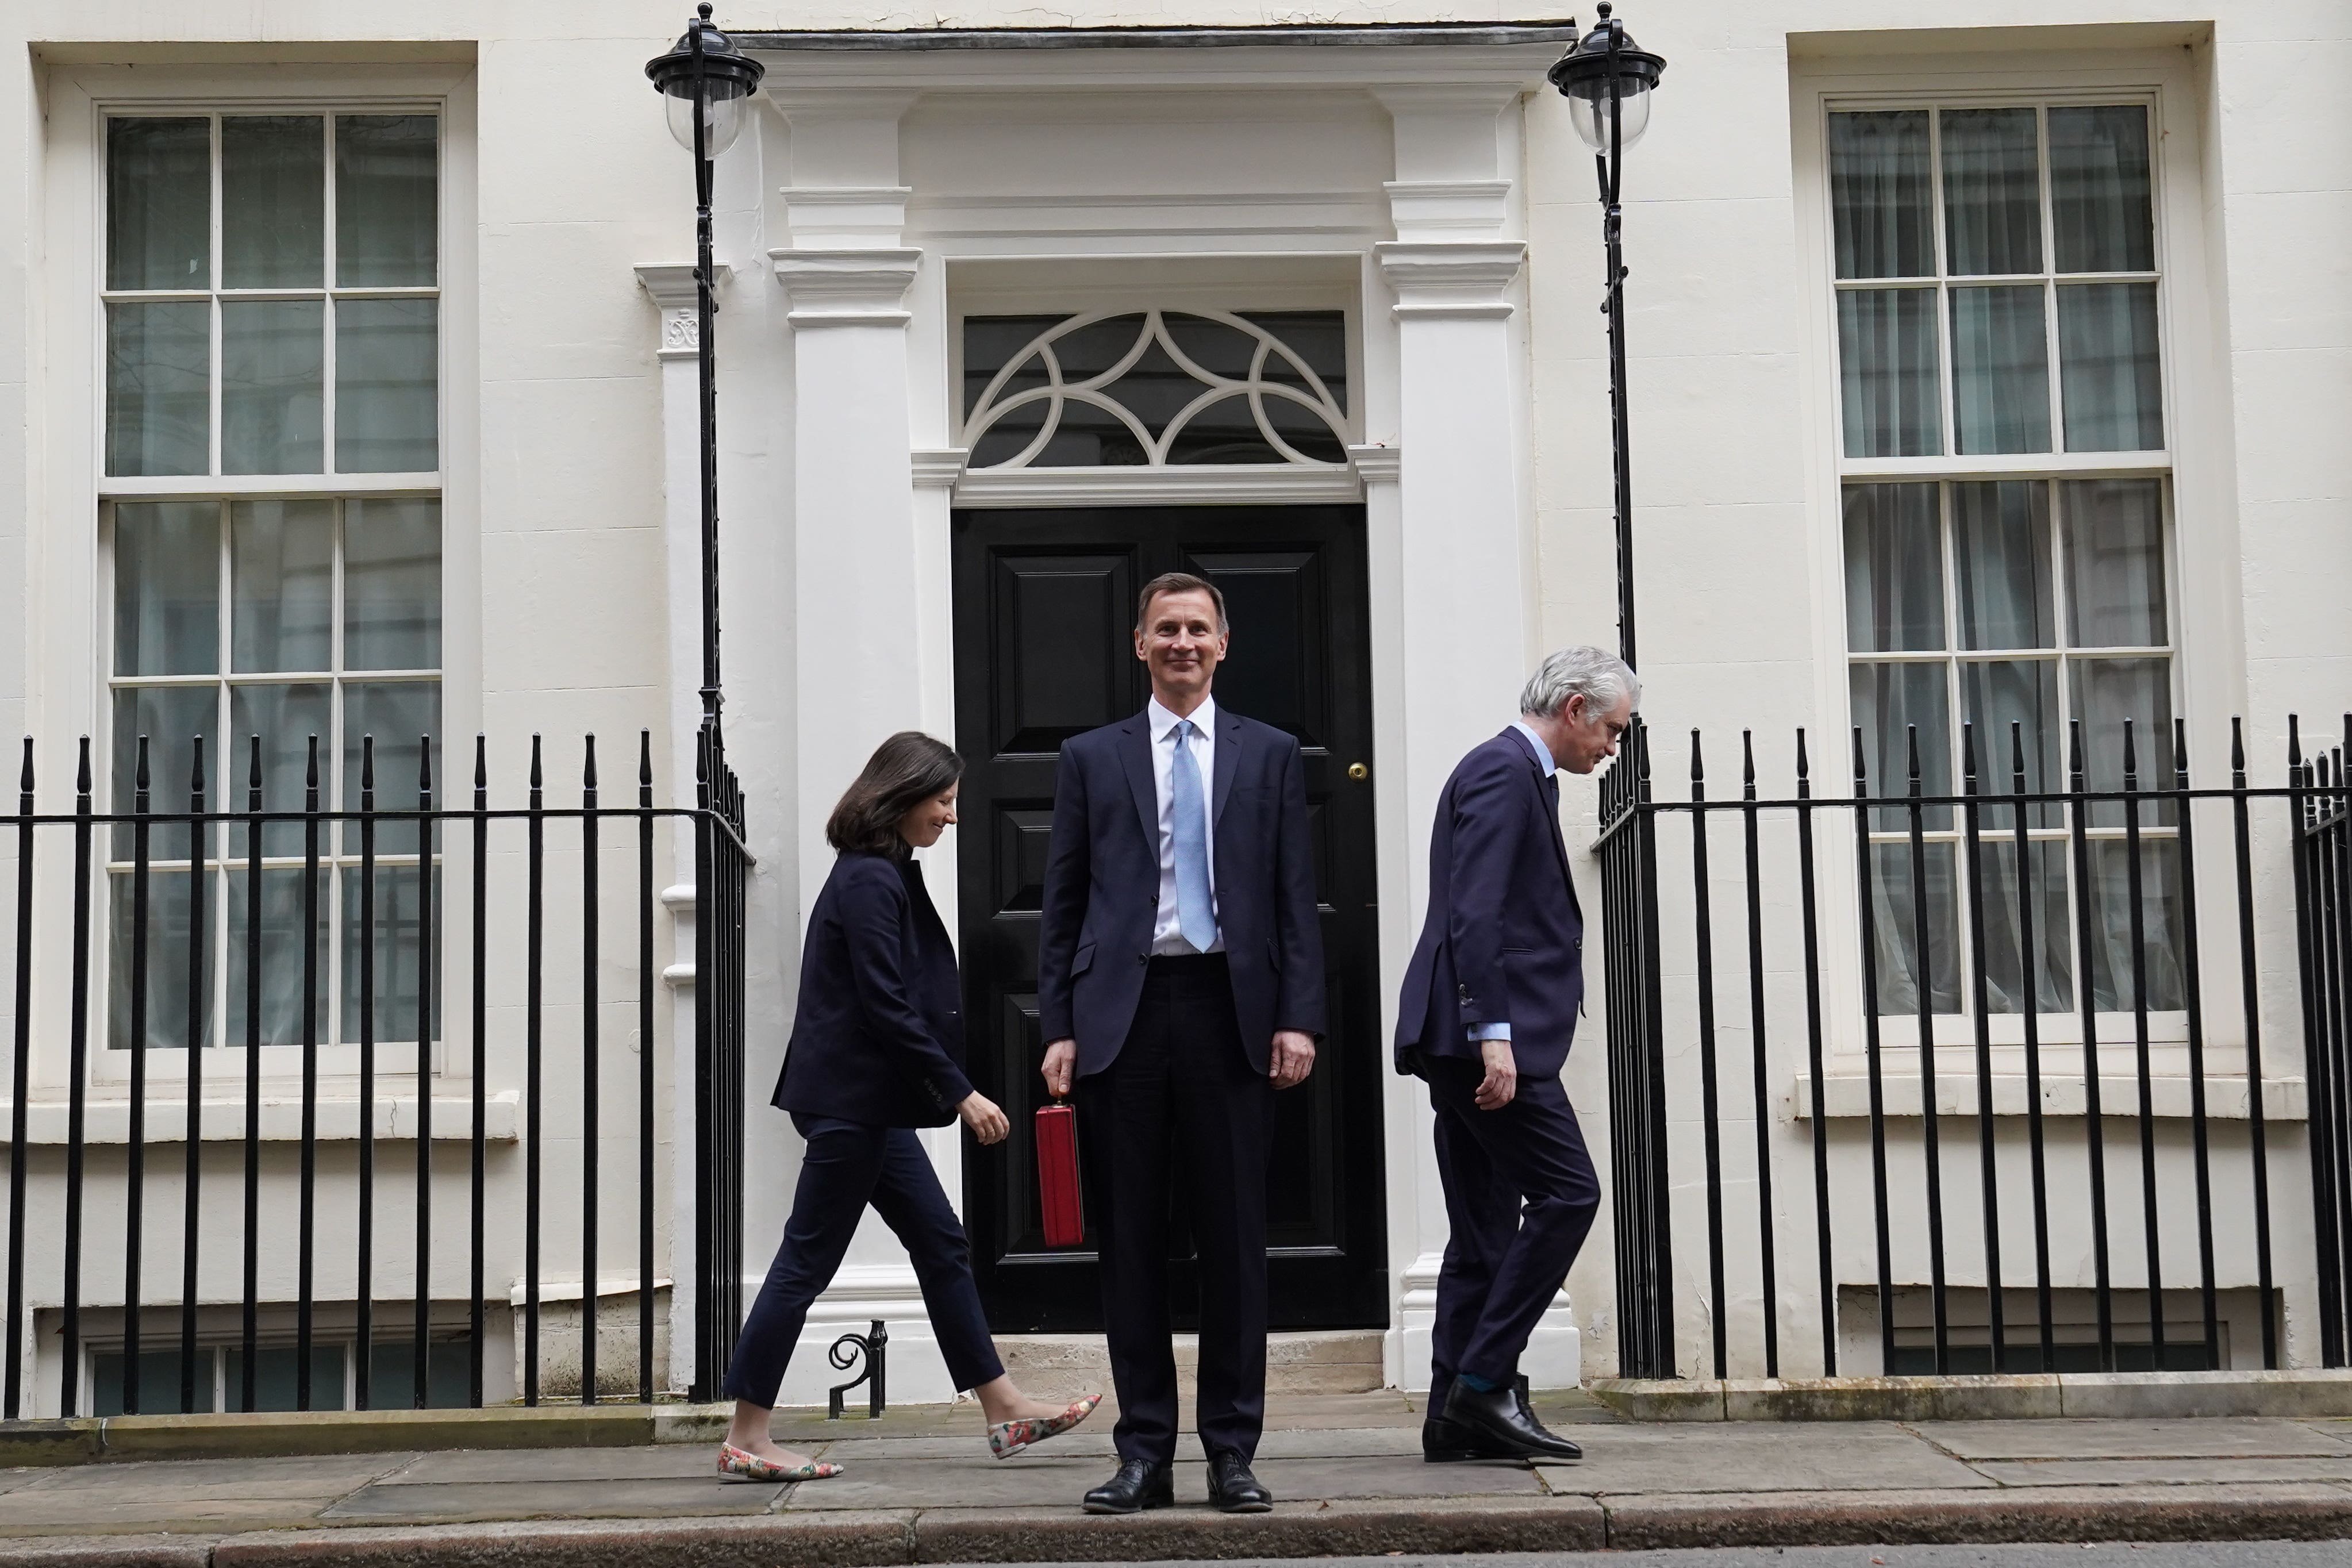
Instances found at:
x=1167 y=929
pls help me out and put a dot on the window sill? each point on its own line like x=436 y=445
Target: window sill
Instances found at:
x=1846 y=1095
x=108 y=1121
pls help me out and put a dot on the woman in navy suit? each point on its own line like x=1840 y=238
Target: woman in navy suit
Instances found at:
x=878 y=1051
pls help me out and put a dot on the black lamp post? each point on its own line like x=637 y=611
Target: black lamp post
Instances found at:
x=705 y=81
x=1608 y=82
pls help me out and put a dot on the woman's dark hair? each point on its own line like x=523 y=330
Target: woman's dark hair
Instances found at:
x=905 y=770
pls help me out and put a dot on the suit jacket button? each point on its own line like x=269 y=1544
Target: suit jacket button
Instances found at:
x=1143 y=958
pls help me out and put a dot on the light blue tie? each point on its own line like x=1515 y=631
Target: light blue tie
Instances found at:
x=1194 y=916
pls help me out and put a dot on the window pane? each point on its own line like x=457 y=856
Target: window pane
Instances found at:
x=2000 y=370
x=2114 y=986
x=2000 y=555
x=1889 y=702
x=988 y=342
x=1993 y=190
x=1894 y=569
x=1318 y=337
x=1223 y=432
x=392 y=584
x=399 y=952
x=282 y=587
x=386 y=226
x=171 y=717
x=159 y=204
x=170 y=907
x=2099 y=191
x=285 y=717
x=273 y=201
x=1888 y=375
x=2052 y=941
x=387 y=407
x=166 y=588
x=2114 y=562
x=399 y=714
x=1896 y=896
x=273 y=386
x=159 y=1381
x=1995 y=694
x=158 y=394
x=2107 y=692
x=1879 y=195
x=2109 y=377
x=279 y=971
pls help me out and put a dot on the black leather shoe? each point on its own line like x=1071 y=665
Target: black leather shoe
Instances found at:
x=1444 y=1442
x=1519 y=1386
x=1233 y=1490
x=1137 y=1485
x=1497 y=1419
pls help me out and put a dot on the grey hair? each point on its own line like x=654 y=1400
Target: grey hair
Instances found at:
x=1600 y=678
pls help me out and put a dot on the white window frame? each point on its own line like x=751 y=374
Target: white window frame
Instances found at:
x=72 y=651
x=2203 y=625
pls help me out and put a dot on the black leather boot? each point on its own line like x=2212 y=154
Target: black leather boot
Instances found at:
x=1496 y=1418
x=1139 y=1484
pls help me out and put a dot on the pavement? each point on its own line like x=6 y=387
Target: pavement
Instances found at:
x=918 y=1487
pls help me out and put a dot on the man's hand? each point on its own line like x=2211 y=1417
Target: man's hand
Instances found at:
x=1061 y=1064
x=981 y=1114
x=1502 y=1080
x=1294 y=1058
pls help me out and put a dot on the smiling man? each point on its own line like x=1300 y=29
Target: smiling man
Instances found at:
x=1180 y=984
x=1489 y=1005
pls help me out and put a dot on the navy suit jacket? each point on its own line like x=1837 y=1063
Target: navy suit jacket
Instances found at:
x=1102 y=887
x=878 y=1035
x=1503 y=940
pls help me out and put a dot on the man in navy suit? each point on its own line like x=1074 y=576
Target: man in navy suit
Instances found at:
x=1180 y=984
x=1489 y=1005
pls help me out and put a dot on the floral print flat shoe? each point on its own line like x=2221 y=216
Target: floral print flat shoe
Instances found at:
x=734 y=1461
x=1007 y=1438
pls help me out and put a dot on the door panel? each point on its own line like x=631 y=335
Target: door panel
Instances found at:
x=1050 y=596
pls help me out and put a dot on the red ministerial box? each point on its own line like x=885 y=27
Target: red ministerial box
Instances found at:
x=1057 y=1175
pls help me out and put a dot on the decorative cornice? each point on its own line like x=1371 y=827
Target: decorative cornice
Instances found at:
x=938 y=469
x=1378 y=465
x=849 y=287
x=1448 y=209
x=1451 y=279
x=846 y=218
x=671 y=284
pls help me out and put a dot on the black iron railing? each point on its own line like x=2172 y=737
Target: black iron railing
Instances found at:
x=172 y=883
x=2066 y=912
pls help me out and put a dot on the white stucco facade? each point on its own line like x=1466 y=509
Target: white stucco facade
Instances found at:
x=1433 y=191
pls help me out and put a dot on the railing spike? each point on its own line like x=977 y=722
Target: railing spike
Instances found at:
x=1911 y=740
x=2179 y=752
x=2237 y=752
x=1748 y=764
x=197 y=765
x=481 y=766
x=2293 y=742
x=139 y=778
x=1968 y=758
x=1699 y=768
x=25 y=776
x=538 y=775
x=2074 y=755
x=1804 y=766
x=81 y=775
x=253 y=768
x=2131 y=758
x=424 y=764
x=311 y=778
x=367 y=767
x=588 y=775
x=644 y=759
x=2016 y=753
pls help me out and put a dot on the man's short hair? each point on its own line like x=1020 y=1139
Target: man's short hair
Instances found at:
x=1598 y=676
x=1178 y=583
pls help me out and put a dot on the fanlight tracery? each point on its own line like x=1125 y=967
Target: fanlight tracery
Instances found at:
x=1156 y=389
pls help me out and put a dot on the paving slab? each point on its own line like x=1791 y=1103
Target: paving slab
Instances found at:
x=1367 y=1479
x=2164 y=1472
x=650 y=1462
x=2213 y=1438
x=1727 y=1457
x=1030 y=1482
x=110 y=1552
x=676 y=1497
x=1087 y=1441
x=323 y=1477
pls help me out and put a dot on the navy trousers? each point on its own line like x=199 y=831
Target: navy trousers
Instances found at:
x=1181 y=1110
x=849 y=1165
x=1520 y=1195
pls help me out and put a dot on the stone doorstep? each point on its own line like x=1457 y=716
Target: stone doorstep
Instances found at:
x=2303 y=1393
x=1340 y=1361
x=1571 y=1523
x=281 y=1434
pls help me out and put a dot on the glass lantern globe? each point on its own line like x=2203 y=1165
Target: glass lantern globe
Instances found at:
x=705 y=64
x=1601 y=87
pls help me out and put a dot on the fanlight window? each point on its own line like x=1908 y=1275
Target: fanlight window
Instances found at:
x=1156 y=389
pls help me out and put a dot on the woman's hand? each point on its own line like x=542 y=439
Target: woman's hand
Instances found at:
x=987 y=1123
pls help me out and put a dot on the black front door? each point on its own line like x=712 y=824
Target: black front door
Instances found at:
x=1045 y=601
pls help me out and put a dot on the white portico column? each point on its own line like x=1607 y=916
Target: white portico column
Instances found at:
x=856 y=608
x=1465 y=523
x=679 y=347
